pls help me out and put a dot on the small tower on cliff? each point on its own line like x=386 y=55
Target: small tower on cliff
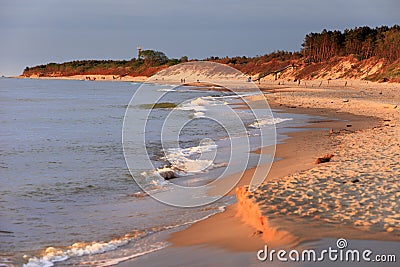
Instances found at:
x=139 y=51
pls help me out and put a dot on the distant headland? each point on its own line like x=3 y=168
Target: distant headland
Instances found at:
x=359 y=53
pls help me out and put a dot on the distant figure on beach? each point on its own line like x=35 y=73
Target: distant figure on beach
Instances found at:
x=299 y=82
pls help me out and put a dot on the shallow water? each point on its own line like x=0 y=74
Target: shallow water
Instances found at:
x=64 y=179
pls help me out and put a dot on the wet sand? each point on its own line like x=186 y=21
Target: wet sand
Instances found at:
x=360 y=184
x=236 y=235
x=297 y=154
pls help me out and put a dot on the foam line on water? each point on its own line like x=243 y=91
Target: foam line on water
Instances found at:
x=52 y=255
x=268 y=121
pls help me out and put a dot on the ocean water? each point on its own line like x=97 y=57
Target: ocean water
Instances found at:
x=67 y=196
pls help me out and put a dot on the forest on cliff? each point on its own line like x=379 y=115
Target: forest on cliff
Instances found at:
x=360 y=45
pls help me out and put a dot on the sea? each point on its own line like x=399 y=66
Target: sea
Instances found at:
x=75 y=192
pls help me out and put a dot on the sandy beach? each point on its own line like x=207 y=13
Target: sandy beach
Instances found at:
x=200 y=133
x=90 y=77
x=354 y=196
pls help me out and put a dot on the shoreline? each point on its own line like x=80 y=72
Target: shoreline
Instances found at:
x=294 y=156
x=245 y=236
x=89 y=77
x=229 y=236
x=265 y=84
x=333 y=102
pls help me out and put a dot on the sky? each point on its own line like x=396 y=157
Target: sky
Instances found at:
x=34 y=32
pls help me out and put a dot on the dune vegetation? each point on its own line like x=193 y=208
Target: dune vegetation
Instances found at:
x=350 y=54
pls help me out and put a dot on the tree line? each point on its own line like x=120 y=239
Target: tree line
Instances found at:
x=148 y=60
x=362 y=42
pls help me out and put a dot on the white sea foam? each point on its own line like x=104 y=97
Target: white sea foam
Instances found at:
x=154 y=182
x=52 y=255
x=196 y=105
x=201 y=104
x=153 y=247
x=165 y=90
x=268 y=121
x=192 y=159
x=183 y=162
x=198 y=114
x=236 y=96
x=159 y=183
